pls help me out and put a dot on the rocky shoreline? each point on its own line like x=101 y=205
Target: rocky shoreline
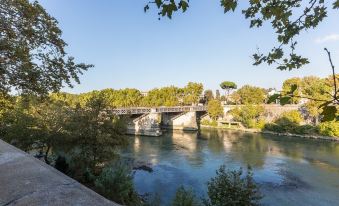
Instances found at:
x=305 y=136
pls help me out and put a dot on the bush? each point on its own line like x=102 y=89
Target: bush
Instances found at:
x=230 y=188
x=290 y=118
x=249 y=115
x=329 y=128
x=215 y=109
x=116 y=183
x=185 y=197
x=212 y=123
x=287 y=122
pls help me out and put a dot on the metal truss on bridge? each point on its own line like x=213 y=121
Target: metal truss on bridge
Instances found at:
x=145 y=110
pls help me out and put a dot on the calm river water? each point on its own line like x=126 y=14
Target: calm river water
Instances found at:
x=290 y=170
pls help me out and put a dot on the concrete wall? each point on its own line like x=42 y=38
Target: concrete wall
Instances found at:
x=25 y=180
x=147 y=124
x=180 y=121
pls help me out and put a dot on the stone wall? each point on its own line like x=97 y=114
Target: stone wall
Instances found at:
x=25 y=180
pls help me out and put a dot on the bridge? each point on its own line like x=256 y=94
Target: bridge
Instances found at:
x=150 y=121
x=145 y=110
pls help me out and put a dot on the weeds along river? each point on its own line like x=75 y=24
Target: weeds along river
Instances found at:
x=289 y=170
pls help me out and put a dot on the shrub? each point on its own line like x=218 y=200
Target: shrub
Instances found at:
x=287 y=122
x=116 y=183
x=249 y=115
x=185 y=197
x=230 y=188
x=329 y=128
x=290 y=117
x=212 y=123
x=215 y=109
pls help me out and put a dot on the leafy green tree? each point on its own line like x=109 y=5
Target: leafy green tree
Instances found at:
x=315 y=88
x=215 y=109
x=165 y=96
x=287 y=87
x=33 y=57
x=228 y=86
x=185 y=197
x=97 y=135
x=192 y=93
x=250 y=95
x=249 y=115
x=280 y=14
x=116 y=183
x=208 y=94
x=230 y=188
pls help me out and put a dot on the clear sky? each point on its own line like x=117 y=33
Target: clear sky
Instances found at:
x=132 y=49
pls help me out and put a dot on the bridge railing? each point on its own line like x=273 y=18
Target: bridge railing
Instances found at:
x=144 y=110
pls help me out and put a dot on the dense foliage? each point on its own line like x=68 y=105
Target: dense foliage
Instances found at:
x=185 y=197
x=32 y=53
x=249 y=95
x=215 y=109
x=116 y=183
x=249 y=115
x=230 y=188
x=329 y=128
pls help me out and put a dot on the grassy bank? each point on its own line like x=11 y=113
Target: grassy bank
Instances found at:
x=263 y=131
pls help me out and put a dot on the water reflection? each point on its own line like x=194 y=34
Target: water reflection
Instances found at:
x=290 y=170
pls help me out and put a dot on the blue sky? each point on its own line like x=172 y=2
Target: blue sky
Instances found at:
x=132 y=49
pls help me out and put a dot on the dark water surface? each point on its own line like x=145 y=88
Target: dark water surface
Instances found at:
x=290 y=170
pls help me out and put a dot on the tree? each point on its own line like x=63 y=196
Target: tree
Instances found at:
x=250 y=95
x=116 y=183
x=32 y=53
x=315 y=88
x=217 y=94
x=192 y=93
x=249 y=115
x=228 y=86
x=185 y=197
x=231 y=188
x=215 y=109
x=287 y=87
x=281 y=16
x=208 y=95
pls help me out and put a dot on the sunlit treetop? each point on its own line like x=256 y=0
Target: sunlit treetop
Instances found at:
x=281 y=14
x=32 y=53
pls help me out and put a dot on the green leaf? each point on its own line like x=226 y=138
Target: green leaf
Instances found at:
x=329 y=113
x=285 y=100
x=294 y=87
x=273 y=98
x=336 y=5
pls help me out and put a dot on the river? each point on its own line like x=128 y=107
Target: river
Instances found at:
x=289 y=170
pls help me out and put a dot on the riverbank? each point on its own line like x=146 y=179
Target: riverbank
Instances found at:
x=306 y=136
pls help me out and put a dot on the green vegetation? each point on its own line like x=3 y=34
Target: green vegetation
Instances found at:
x=249 y=95
x=215 y=109
x=33 y=57
x=116 y=183
x=329 y=128
x=185 y=197
x=228 y=86
x=231 y=188
x=212 y=123
x=250 y=115
x=280 y=14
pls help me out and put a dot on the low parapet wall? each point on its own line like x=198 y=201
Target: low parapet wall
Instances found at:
x=25 y=180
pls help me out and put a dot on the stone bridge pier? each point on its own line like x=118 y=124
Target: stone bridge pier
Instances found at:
x=149 y=121
x=147 y=124
x=180 y=121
